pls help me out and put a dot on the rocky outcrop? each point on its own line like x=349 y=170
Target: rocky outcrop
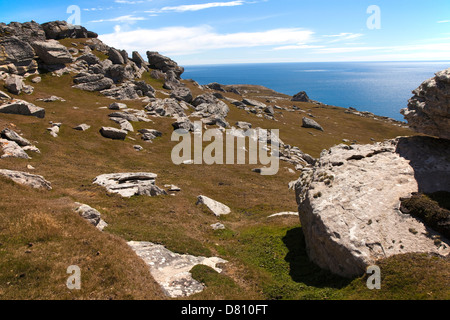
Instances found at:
x=172 y=270
x=16 y=56
x=301 y=97
x=130 y=184
x=349 y=204
x=31 y=180
x=428 y=110
x=51 y=52
x=61 y=30
x=165 y=64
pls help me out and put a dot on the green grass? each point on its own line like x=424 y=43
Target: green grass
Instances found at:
x=267 y=257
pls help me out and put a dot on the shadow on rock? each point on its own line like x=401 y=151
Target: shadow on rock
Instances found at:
x=302 y=269
x=430 y=159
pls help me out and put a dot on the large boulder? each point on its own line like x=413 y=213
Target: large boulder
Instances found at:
x=428 y=110
x=13 y=136
x=52 y=52
x=23 y=108
x=91 y=215
x=28 y=31
x=349 y=204
x=301 y=97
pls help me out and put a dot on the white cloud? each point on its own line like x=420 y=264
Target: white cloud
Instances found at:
x=444 y=21
x=197 y=7
x=128 y=2
x=127 y=18
x=297 y=47
x=344 y=36
x=187 y=40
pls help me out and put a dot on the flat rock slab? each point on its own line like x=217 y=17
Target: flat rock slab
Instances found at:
x=214 y=206
x=130 y=184
x=23 y=108
x=349 y=206
x=172 y=270
x=31 y=180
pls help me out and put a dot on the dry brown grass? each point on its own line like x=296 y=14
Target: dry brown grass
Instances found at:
x=109 y=268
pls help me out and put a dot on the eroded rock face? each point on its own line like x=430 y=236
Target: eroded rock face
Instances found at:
x=165 y=64
x=429 y=109
x=52 y=52
x=31 y=180
x=349 y=203
x=172 y=270
x=130 y=184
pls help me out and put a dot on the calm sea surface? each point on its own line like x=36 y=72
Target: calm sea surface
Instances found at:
x=379 y=87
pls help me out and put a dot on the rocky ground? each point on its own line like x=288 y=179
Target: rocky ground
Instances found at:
x=87 y=179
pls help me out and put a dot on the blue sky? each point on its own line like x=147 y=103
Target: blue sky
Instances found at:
x=239 y=31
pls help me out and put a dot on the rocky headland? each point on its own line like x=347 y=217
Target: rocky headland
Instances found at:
x=95 y=122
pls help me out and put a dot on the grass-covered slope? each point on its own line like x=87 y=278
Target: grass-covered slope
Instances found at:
x=40 y=235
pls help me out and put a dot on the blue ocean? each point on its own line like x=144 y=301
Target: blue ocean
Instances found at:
x=379 y=87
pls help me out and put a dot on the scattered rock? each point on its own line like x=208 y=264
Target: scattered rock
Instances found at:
x=31 y=180
x=51 y=99
x=23 y=108
x=215 y=207
x=117 y=106
x=172 y=270
x=113 y=133
x=82 y=127
x=309 y=123
x=218 y=226
x=13 y=136
x=91 y=215
x=130 y=184
x=12 y=150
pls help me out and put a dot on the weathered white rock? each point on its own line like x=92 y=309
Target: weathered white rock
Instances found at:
x=82 y=127
x=12 y=150
x=172 y=270
x=130 y=184
x=428 y=110
x=23 y=108
x=218 y=226
x=52 y=52
x=117 y=106
x=349 y=204
x=91 y=215
x=31 y=180
x=214 y=206
x=281 y=214
x=13 y=136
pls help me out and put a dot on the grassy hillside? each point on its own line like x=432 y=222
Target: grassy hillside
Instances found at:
x=40 y=235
